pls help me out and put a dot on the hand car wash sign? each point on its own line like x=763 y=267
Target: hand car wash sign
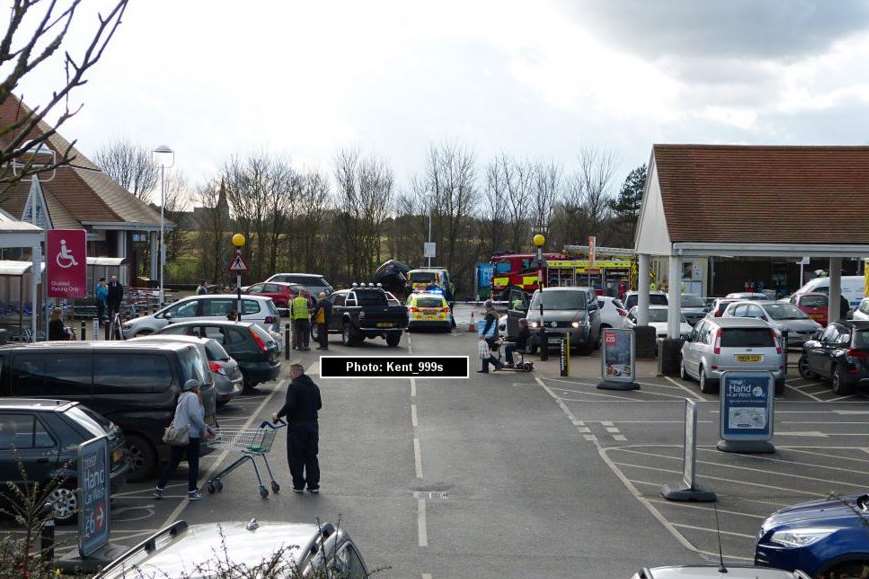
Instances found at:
x=66 y=257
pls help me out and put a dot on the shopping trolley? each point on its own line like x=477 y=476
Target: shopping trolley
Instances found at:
x=250 y=443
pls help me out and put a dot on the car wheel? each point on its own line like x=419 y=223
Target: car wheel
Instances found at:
x=839 y=387
x=393 y=339
x=346 y=335
x=803 y=368
x=142 y=458
x=683 y=374
x=849 y=570
x=706 y=386
x=65 y=505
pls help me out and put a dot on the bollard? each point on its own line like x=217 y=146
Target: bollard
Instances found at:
x=784 y=339
x=108 y=330
x=563 y=358
x=84 y=331
x=47 y=534
x=287 y=344
x=544 y=343
x=96 y=329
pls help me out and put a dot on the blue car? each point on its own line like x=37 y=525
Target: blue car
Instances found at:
x=821 y=538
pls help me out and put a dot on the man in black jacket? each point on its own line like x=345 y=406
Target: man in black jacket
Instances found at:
x=303 y=431
x=115 y=297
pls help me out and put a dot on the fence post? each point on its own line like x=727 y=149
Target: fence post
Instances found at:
x=84 y=331
x=287 y=344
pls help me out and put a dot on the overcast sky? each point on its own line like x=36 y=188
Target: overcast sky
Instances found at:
x=534 y=79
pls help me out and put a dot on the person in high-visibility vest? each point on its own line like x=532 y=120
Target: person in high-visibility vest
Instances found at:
x=301 y=319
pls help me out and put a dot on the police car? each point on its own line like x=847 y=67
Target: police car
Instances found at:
x=428 y=310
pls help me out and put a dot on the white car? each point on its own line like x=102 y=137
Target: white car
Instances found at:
x=613 y=313
x=862 y=311
x=259 y=309
x=658 y=320
x=710 y=571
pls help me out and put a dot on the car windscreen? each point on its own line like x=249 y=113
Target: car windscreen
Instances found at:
x=657 y=300
x=563 y=300
x=691 y=301
x=747 y=338
x=371 y=297
x=813 y=301
x=657 y=315
x=429 y=302
x=785 y=312
x=304 y=280
x=421 y=276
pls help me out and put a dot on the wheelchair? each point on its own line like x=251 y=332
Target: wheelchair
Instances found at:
x=519 y=362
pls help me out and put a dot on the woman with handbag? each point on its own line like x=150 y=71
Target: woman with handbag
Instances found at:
x=183 y=436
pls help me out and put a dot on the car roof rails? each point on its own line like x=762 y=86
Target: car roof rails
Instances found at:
x=149 y=545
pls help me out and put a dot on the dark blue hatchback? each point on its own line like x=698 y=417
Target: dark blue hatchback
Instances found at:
x=818 y=538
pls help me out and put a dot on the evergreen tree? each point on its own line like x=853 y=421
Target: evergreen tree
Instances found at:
x=626 y=206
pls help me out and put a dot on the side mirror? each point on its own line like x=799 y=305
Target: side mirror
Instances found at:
x=168 y=317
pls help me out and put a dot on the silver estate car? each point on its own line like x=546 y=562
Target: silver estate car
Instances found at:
x=719 y=344
x=788 y=318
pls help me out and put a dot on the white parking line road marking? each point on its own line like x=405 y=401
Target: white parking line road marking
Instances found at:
x=828 y=455
x=589 y=437
x=612 y=429
x=809 y=385
x=813 y=397
x=708 y=530
x=426 y=576
x=413 y=418
x=792 y=462
x=413 y=387
x=417 y=457
x=422 y=531
x=850 y=411
x=841 y=398
x=686 y=389
x=620 y=437
x=698 y=507
x=606 y=423
x=807 y=433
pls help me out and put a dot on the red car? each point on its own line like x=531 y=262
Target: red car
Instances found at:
x=281 y=293
x=813 y=305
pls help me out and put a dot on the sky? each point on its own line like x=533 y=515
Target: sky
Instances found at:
x=537 y=80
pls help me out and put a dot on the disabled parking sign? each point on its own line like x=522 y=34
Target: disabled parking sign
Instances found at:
x=747 y=400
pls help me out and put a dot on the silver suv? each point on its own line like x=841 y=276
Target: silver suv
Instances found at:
x=719 y=344
x=572 y=310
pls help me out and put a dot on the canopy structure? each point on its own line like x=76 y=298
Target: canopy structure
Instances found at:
x=734 y=201
x=19 y=234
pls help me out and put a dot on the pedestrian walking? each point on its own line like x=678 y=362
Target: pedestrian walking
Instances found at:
x=189 y=421
x=102 y=295
x=303 y=431
x=202 y=288
x=322 y=317
x=301 y=320
x=115 y=296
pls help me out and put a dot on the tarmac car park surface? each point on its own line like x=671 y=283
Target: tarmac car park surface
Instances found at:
x=523 y=475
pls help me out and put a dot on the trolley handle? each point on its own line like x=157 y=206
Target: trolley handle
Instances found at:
x=276 y=425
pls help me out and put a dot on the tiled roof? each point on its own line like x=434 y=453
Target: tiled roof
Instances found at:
x=764 y=194
x=79 y=192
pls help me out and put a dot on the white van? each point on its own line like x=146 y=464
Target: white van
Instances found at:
x=852 y=288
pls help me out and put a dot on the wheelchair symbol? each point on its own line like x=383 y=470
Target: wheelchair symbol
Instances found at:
x=65 y=259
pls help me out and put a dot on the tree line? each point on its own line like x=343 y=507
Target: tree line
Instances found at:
x=344 y=223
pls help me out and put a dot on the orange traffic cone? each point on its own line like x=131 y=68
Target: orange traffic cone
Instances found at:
x=472 y=327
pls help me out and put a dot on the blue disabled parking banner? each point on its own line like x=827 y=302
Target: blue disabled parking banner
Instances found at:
x=747 y=400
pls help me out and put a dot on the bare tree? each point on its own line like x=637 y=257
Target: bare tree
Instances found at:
x=176 y=202
x=364 y=193
x=35 y=32
x=547 y=190
x=494 y=209
x=130 y=166
x=312 y=210
x=518 y=181
x=592 y=181
x=214 y=230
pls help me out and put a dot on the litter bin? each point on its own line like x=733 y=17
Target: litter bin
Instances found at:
x=669 y=356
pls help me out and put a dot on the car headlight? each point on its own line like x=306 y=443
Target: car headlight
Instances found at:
x=575 y=324
x=534 y=325
x=796 y=538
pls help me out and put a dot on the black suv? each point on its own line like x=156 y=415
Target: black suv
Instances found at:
x=257 y=353
x=365 y=312
x=136 y=385
x=43 y=437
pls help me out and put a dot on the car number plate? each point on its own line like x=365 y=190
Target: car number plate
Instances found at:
x=750 y=358
x=385 y=324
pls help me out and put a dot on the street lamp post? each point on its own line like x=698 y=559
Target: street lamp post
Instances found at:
x=164 y=157
x=539 y=241
x=238 y=241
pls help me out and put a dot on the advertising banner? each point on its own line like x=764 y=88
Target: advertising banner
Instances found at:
x=617 y=355
x=66 y=263
x=747 y=400
x=94 y=495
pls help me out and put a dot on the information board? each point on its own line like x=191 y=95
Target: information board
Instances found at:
x=618 y=352
x=94 y=485
x=747 y=400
